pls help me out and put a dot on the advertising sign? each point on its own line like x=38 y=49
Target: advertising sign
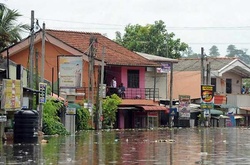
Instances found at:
x=184 y=106
x=43 y=91
x=71 y=111
x=207 y=96
x=12 y=94
x=70 y=70
x=165 y=68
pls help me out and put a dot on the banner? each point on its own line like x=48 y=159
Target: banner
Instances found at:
x=165 y=68
x=184 y=106
x=70 y=70
x=12 y=94
x=207 y=96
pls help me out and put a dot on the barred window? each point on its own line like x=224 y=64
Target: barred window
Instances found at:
x=133 y=78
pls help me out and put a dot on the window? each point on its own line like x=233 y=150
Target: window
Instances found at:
x=213 y=82
x=228 y=85
x=133 y=78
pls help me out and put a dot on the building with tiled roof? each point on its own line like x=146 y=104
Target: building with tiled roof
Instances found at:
x=226 y=75
x=126 y=66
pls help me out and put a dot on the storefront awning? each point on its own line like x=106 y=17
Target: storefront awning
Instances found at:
x=216 y=112
x=235 y=116
x=154 y=108
x=245 y=108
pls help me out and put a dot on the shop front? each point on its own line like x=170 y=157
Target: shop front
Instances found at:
x=139 y=116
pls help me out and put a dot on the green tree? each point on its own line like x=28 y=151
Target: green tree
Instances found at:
x=239 y=53
x=151 y=39
x=214 y=51
x=231 y=50
x=110 y=105
x=188 y=52
x=10 y=30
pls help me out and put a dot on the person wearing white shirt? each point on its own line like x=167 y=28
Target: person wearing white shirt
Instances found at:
x=113 y=82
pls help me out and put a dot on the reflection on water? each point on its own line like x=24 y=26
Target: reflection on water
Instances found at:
x=144 y=147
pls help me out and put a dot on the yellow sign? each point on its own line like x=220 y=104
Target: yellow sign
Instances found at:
x=12 y=94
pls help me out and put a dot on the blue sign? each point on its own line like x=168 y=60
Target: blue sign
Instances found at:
x=173 y=112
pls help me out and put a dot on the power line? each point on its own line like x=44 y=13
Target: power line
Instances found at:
x=246 y=27
x=219 y=43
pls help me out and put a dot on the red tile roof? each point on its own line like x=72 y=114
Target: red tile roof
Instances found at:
x=115 y=54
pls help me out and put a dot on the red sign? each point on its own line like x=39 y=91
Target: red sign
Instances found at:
x=207 y=93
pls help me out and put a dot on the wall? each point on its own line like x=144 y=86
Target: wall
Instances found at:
x=236 y=83
x=161 y=81
x=185 y=83
x=124 y=75
x=51 y=53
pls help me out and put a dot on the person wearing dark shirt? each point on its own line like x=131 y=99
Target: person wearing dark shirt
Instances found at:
x=121 y=91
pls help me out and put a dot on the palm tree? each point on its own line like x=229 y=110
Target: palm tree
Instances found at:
x=10 y=31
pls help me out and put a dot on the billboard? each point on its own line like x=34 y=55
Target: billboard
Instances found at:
x=207 y=96
x=12 y=94
x=165 y=68
x=70 y=71
x=184 y=106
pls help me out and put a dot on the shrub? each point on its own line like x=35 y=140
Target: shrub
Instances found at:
x=51 y=121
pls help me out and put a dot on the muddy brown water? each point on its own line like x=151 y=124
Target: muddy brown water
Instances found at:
x=176 y=146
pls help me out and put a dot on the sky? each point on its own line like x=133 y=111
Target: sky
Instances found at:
x=199 y=23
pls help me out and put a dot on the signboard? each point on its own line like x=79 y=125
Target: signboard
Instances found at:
x=206 y=113
x=43 y=92
x=184 y=106
x=3 y=118
x=12 y=94
x=71 y=111
x=207 y=96
x=102 y=90
x=173 y=112
x=70 y=71
x=165 y=68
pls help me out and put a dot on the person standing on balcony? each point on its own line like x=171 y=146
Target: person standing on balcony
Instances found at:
x=113 y=87
x=113 y=83
x=121 y=91
x=243 y=90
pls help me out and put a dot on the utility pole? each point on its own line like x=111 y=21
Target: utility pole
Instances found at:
x=171 y=94
x=208 y=74
x=36 y=67
x=42 y=78
x=31 y=53
x=202 y=66
x=101 y=90
x=43 y=53
x=154 y=83
x=91 y=77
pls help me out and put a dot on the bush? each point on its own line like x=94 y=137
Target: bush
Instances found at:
x=110 y=105
x=82 y=118
x=51 y=121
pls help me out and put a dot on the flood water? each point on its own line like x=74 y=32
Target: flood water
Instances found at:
x=176 y=146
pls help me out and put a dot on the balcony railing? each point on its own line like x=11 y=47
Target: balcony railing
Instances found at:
x=130 y=93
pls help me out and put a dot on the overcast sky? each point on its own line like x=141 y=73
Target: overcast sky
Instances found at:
x=199 y=23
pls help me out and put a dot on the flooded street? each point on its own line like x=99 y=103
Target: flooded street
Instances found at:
x=175 y=146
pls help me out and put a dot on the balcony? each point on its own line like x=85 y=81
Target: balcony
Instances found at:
x=130 y=93
x=239 y=100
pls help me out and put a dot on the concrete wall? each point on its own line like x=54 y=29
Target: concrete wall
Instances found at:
x=161 y=82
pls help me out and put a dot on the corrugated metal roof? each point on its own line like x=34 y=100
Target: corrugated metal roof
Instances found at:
x=187 y=64
x=152 y=57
